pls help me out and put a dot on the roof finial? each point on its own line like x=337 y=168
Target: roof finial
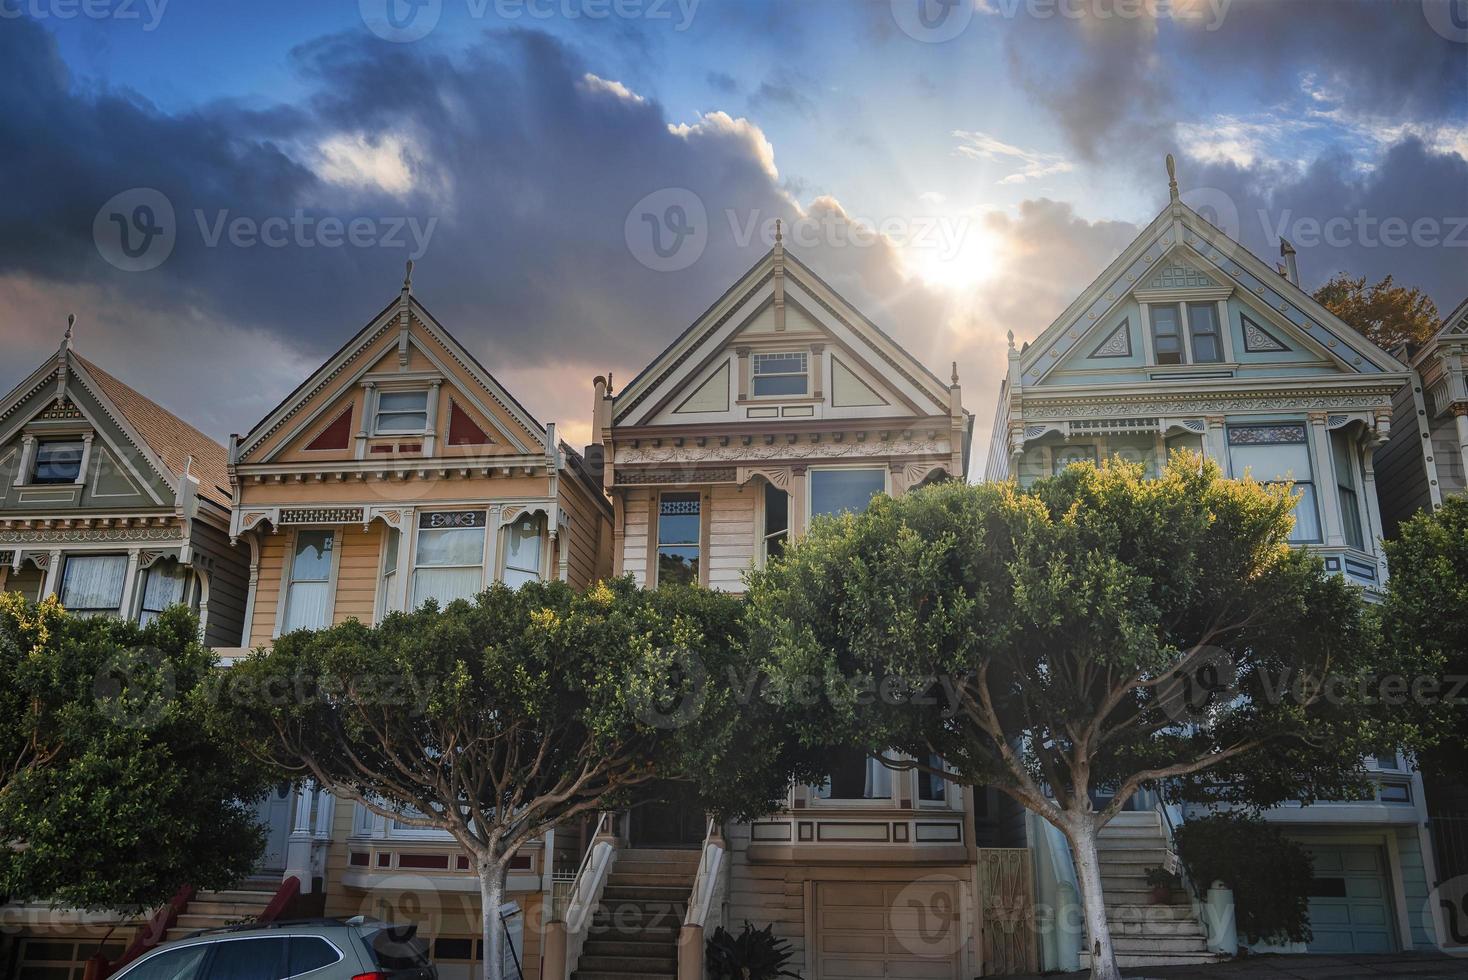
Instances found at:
x=1171 y=177
x=408 y=278
x=70 y=326
x=1011 y=340
x=779 y=235
x=609 y=382
x=955 y=372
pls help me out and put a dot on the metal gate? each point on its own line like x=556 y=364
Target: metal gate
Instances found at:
x=1008 y=940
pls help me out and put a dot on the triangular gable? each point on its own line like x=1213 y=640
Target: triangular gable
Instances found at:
x=712 y=395
x=463 y=429
x=848 y=390
x=1180 y=247
x=1455 y=324
x=403 y=337
x=336 y=435
x=812 y=311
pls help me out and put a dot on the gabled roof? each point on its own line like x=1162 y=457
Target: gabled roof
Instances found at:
x=1180 y=229
x=390 y=317
x=798 y=273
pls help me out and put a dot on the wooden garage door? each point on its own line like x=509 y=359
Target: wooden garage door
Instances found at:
x=1350 y=904
x=906 y=930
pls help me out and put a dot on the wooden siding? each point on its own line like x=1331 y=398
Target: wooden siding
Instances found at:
x=635 y=534
x=1401 y=475
x=730 y=545
x=588 y=539
x=27 y=581
x=228 y=584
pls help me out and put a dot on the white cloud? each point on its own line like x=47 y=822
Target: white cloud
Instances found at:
x=359 y=160
x=1230 y=139
x=720 y=123
x=598 y=84
x=1033 y=164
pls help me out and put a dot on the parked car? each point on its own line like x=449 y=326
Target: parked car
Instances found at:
x=322 y=949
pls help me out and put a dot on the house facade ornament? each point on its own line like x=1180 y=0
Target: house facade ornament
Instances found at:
x=633 y=455
x=90 y=535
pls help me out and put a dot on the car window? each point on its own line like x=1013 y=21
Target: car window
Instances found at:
x=396 y=949
x=248 y=959
x=171 y=964
x=309 y=953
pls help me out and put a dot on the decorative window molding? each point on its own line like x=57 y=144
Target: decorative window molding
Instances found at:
x=780 y=374
x=1258 y=340
x=1266 y=435
x=322 y=515
x=1118 y=343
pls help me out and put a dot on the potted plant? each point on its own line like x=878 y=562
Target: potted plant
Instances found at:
x=1164 y=883
x=755 y=954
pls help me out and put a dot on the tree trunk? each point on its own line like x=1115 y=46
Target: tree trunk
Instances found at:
x=491 y=897
x=1082 y=834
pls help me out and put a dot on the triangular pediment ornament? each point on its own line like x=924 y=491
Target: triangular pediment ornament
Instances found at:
x=463 y=430
x=711 y=396
x=850 y=391
x=1118 y=343
x=1180 y=275
x=1259 y=340
x=337 y=435
x=61 y=411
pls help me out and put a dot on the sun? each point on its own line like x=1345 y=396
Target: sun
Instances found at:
x=953 y=252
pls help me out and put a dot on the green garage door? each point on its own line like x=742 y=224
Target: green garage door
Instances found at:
x=1350 y=904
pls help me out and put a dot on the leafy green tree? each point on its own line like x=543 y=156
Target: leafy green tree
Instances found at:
x=1389 y=315
x=1269 y=874
x=1079 y=640
x=1426 y=614
x=112 y=793
x=496 y=720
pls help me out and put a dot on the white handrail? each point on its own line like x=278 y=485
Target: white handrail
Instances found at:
x=704 y=905
x=586 y=892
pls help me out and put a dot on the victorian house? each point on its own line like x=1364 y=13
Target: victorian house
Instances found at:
x=116 y=507
x=402 y=471
x=1187 y=340
x=779 y=404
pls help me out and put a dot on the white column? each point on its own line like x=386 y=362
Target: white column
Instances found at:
x=81 y=470
x=1215 y=443
x=398 y=601
x=430 y=437
x=1225 y=331
x=1325 y=481
x=129 y=585
x=298 y=849
x=369 y=407
x=53 y=574
x=27 y=459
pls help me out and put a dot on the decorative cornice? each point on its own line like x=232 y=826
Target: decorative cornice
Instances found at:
x=62 y=536
x=643 y=477
x=633 y=455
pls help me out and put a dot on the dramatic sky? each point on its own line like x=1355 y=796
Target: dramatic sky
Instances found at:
x=955 y=171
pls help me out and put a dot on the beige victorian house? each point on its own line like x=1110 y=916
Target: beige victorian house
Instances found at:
x=782 y=403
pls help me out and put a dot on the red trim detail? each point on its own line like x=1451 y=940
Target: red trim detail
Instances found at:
x=289 y=888
x=151 y=934
x=337 y=435
x=464 y=431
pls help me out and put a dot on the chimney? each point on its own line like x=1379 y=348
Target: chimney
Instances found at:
x=1292 y=269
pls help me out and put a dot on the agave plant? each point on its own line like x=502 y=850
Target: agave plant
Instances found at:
x=755 y=954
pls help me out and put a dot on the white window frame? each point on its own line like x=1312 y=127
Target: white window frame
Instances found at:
x=762 y=531
x=122 y=600
x=410 y=586
x=388 y=573
x=810 y=484
x=657 y=535
x=889 y=802
x=952 y=794
x=1179 y=309
x=190 y=589
x=754 y=373
x=541 y=556
x=1312 y=478
x=1219 y=326
x=288 y=570
x=377 y=411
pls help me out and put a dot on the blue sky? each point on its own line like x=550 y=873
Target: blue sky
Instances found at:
x=1004 y=166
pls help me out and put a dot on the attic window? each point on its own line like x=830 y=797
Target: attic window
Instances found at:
x=401 y=411
x=785 y=373
x=57 y=461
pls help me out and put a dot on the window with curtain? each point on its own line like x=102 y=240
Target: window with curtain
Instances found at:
x=1276 y=454
x=308 y=593
x=780 y=374
x=854 y=775
x=523 y=546
x=680 y=527
x=932 y=788
x=1203 y=333
x=164 y=584
x=57 y=461
x=392 y=541
x=401 y=411
x=92 y=584
x=839 y=491
x=448 y=562
x=1167 y=337
x=1342 y=455
x=777 y=521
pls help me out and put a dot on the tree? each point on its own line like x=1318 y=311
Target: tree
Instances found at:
x=496 y=720
x=1426 y=614
x=1389 y=315
x=1097 y=631
x=112 y=794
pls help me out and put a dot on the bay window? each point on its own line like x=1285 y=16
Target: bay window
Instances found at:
x=1276 y=454
x=855 y=775
x=680 y=526
x=523 y=548
x=91 y=585
x=781 y=374
x=448 y=562
x=837 y=491
x=308 y=589
x=164 y=584
x=1345 y=482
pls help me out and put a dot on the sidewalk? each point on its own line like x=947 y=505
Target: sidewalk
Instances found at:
x=1418 y=966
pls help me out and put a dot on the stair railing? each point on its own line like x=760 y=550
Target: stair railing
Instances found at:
x=149 y=936
x=586 y=891
x=705 y=902
x=1057 y=892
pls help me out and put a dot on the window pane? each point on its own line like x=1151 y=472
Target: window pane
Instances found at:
x=171 y=964
x=1307 y=514
x=163 y=586
x=402 y=401
x=57 y=462
x=93 y=583
x=248 y=959
x=310 y=953
x=1203 y=321
x=856 y=776
x=305 y=606
x=679 y=518
x=777 y=520
x=837 y=491
x=930 y=785
x=1271 y=463
x=312 y=561
x=390 y=552
x=446 y=584
x=784 y=384
x=792 y=363
x=677 y=566
x=522 y=546
x=451 y=546
x=1166 y=338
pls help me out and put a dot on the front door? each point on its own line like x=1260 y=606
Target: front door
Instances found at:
x=274 y=813
x=667 y=825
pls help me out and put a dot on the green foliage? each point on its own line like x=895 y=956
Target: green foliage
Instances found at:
x=1270 y=875
x=1389 y=315
x=755 y=954
x=498 y=718
x=114 y=793
x=1426 y=615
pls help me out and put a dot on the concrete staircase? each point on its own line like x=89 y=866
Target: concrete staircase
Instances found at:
x=634 y=930
x=1144 y=934
x=210 y=910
